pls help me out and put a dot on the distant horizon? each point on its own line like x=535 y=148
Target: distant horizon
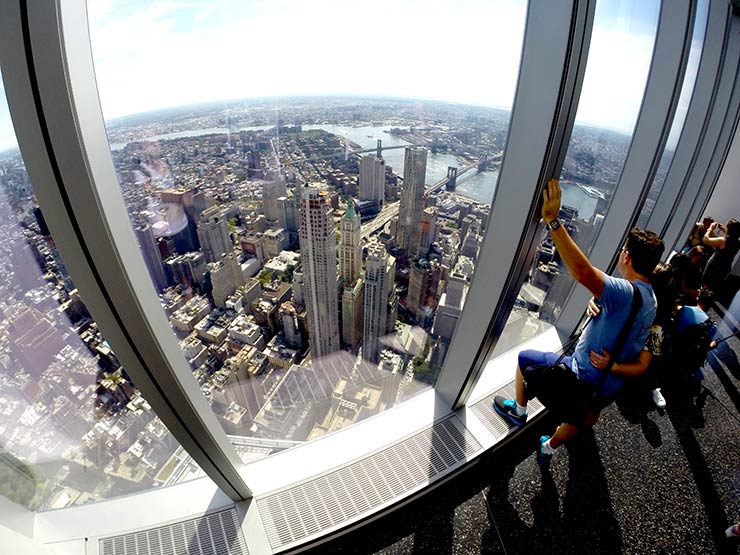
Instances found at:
x=11 y=148
x=246 y=100
x=309 y=96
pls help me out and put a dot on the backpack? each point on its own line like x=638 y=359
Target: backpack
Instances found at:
x=691 y=345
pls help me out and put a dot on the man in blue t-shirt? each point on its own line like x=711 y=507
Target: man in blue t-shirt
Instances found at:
x=637 y=259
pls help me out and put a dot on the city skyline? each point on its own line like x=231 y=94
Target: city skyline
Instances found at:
x=127 y=36
x=185 y=32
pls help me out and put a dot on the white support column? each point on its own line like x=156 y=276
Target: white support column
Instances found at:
x=51 y=89
x=694 y=127
x=551 y=72
x=663 y=88
x=714 y=146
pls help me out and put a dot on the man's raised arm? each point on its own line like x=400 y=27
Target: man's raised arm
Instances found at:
x=575 y=261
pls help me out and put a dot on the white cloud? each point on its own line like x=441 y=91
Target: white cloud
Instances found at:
x=169 y=54
x=151 y=55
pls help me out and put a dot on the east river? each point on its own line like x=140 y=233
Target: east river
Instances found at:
x=475 y=185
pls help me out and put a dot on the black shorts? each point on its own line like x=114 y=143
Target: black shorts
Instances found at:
x=559 y=388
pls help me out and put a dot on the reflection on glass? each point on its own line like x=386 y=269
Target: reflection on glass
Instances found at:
x=684 y=99
x=73 y=427
x=313 y=254
x=616 y=73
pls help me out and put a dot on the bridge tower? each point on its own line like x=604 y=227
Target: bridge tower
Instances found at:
x=451 y=178
x=483 y=163
x=379 y=152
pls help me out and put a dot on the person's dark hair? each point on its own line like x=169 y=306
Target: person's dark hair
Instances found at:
x=645 y=249
x=698 y=250
x=706 y=297
x=733 y=228
x=680 y=261
x=665 y=293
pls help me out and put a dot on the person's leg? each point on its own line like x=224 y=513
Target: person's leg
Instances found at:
x=515 y=410
x=521 y=397
x=548 y=445
x=564 y=432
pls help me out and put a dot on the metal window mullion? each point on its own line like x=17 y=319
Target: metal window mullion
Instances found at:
x=714 y=146
x=694 y=127
x=554 y=53
x=715 y=174
x=660 y=100
x=56 y=112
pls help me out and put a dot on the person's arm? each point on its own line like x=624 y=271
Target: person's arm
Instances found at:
x=714 y=242
x=575 y=261
x=641 y=363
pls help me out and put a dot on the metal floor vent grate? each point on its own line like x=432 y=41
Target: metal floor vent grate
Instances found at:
x=332 y=499
x=213 y=534
x=493 y=421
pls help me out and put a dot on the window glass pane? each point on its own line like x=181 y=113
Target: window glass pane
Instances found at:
x=310 y=194
x=616 y=73
x=73 y=427
x=684 y=99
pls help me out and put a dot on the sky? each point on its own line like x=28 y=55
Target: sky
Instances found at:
x=152 y=54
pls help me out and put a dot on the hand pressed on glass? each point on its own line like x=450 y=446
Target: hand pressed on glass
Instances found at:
x=551 y=201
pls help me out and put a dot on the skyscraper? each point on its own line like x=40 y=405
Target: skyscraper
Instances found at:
x=450 y=306
x=148 y=245
x=350 y=250
x=213 y=234
x=226 y=276
x=379 y=274
x=429 y=230
x=318 y=250
x=408 y=235
x=352 y=313
x=271 y=191
x=350 y=268
x=424 y=279
x=372 y=179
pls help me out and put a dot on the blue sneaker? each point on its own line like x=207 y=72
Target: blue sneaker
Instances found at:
x=507 y=409
x=543 y=459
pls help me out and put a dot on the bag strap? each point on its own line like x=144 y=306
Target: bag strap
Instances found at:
x=622 y=339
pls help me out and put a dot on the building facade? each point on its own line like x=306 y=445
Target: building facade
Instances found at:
x=379 y=274
x=213 y=233
x=372 y=179
x=318 y=250
x=409 y=230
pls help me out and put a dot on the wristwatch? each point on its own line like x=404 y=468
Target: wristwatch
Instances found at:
x=553 y=225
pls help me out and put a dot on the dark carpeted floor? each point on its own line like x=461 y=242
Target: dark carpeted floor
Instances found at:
x=641 y=481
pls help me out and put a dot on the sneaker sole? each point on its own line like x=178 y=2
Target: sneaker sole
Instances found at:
x=508 y=417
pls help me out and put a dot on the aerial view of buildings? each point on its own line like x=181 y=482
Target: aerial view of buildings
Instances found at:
x=313 y=263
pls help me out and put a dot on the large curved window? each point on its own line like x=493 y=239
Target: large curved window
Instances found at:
x=687 y=90
x=310 y=191
x=616 y=74
x=73 y=427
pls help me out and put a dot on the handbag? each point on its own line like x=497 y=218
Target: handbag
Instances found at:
x=559 y=388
